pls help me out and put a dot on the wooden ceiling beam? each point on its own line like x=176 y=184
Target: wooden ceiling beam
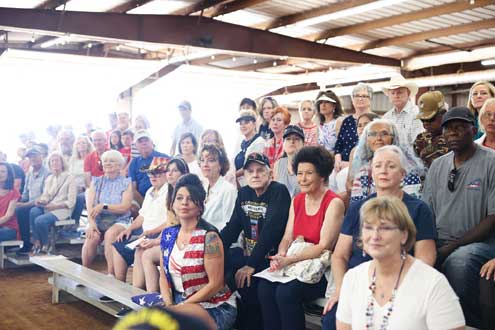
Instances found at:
x=298 y=17
x=437 y=33
x=400 y=19
x=128 y=5
x=467 y=46
x=51 y=4
x=180 y=30
x=230 y=7
x=209 y=59
x=198 y=6
x=260 y=65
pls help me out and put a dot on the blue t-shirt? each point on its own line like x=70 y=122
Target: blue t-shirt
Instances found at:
x=137 y=175
x=418 y=210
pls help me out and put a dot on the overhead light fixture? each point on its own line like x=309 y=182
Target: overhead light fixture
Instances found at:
x=33 y=39
x=488 y=62
x=274 y=63
x=234 y=59
x=90 y=45
x=255 y=61
x=212 y=57
x=117 y=48
x=354 y=11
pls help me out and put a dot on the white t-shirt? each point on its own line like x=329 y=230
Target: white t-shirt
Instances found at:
x=154 y=209
x=424 y=300
x=175 y=265
x=220 y=203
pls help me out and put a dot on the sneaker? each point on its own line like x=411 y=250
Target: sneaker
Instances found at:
x=123 y=312
x=105 y=299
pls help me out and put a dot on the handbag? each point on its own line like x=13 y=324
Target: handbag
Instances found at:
x=307 y=271
x=104 y=221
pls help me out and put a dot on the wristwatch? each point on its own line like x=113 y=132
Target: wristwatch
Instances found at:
x=105 y=206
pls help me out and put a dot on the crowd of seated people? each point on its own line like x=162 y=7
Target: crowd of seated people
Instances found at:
x=404 y=204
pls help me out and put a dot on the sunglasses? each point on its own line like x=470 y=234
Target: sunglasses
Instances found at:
x=451 y=181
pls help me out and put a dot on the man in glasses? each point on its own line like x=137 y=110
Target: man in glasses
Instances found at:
x=261 y=211
x=460 y=189
x=431 y=144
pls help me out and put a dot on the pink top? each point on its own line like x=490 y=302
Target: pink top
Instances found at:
x=309 y=226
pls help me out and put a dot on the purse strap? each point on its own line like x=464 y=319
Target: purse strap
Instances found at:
x=98 y=191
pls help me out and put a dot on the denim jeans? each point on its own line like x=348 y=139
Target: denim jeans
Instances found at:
x=224 y=315
x=329 y=320
x=40 y=224
x=22 y=215
x=79 y=207
x=462 y=269
x=282 y=303
x=7 y=234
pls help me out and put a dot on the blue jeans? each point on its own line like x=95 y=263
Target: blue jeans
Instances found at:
x=329 y=320
x=7 y=234
x=282 y=303
x=22 y=215
x=40 y=224
x=223 y=315
x=462 y=269
x=79 y=207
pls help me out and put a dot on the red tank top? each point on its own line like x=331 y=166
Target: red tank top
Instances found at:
x=309 y=226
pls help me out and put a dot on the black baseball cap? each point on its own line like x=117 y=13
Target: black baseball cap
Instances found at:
x=294 y=129
x=256 y=157
x=458 y=113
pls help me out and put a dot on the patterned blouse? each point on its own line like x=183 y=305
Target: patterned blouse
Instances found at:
x=347 y=138
x=327 y=136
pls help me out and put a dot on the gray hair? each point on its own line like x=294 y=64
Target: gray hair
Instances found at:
x=113 y=155
x=404 y=163
x=482 y=112
x=362 y=86
x=65 y=167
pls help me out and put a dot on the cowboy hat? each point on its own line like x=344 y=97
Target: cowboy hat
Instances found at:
x=158 y=165
x=399 y=81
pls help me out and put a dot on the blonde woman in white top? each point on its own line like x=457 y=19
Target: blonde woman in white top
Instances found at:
x=394 y=290
x=55 y=203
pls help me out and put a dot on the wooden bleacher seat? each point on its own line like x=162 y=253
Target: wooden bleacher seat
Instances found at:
x=3 y=252
x=68 y=275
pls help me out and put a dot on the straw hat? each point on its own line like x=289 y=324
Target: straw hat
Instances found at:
x=399 y=81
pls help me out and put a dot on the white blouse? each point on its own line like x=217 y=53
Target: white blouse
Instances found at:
x=424 y=301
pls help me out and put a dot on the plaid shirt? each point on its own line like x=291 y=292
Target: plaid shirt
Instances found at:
x=408 y=126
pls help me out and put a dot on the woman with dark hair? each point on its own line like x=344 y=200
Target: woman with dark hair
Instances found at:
x=220 y=194
x=116 y=140
x=316 y=215
x=266 y=111
x=8 y=201
x=147 y=255
x=188 y=149
x=275 y=146
x=193 y=249
x=330 y=113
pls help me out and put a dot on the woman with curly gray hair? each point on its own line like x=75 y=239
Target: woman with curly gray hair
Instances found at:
x=379 y=133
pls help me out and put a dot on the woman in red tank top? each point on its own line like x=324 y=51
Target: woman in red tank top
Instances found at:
x=316 y=214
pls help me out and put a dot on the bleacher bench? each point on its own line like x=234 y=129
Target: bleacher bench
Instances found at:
x=68 y=276
x=3 y=250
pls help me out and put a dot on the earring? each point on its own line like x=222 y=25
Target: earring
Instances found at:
x=403 y=253
x=364 y=253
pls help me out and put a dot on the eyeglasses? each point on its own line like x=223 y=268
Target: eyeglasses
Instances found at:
x=380 y=134
x=155 y=174
x=379 y=230
x=451 y=181
x=361 y=96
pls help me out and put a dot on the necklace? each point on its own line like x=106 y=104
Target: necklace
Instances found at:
x=370 y=310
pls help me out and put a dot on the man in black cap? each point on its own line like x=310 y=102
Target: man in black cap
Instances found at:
x=260 y=213
x=460 y=190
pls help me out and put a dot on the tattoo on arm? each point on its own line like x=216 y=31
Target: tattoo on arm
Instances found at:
x=212 y=246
